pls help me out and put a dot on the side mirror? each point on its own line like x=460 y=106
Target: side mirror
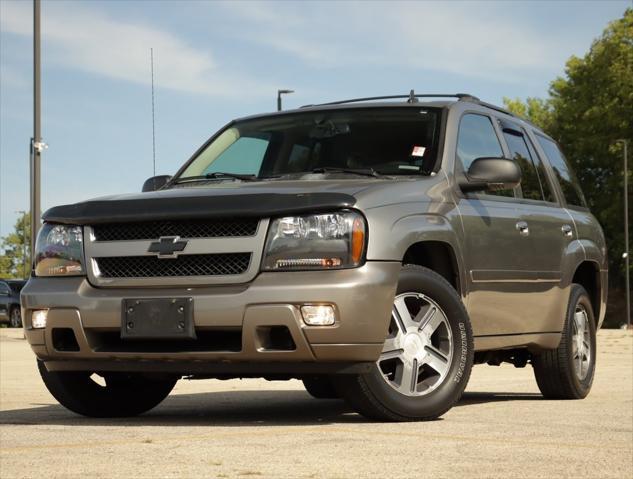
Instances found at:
x=491 y=174
x=155 y=183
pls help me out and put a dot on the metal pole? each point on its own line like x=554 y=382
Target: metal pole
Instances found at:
x=24 y=245
x=36 y=141
x=626 y=235
x=151 y=54
x=279 y=93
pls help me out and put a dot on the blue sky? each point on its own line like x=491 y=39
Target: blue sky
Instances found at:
x=215 y=61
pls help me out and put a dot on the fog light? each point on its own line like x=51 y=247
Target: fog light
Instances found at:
x=38 y=318
x=318 y=315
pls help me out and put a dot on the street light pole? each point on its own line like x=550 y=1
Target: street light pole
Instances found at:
x=279 y=93
x=36 y=141
x=626 y=233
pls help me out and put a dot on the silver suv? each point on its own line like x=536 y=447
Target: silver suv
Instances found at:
x=374 y=248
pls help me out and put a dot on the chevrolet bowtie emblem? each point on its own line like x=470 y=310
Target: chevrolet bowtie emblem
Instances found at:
x=167 y=246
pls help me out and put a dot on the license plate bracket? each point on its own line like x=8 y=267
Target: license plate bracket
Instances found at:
x=157 y=318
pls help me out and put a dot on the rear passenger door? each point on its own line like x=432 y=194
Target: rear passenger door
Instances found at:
x=549 y=233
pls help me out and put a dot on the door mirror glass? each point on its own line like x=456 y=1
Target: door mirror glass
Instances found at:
x=155 y=183
x=491 y=174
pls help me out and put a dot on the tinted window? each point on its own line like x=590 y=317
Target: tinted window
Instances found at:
x=17 y=286
x=565 y=175
x=398 y=141
x=477 y=139
x=4 y=289
x=533 y=180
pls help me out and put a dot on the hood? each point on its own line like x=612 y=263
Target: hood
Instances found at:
x=225 y=199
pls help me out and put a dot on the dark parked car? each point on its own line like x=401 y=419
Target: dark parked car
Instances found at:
x=10 y=301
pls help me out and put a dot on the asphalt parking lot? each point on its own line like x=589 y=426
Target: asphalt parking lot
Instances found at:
x=255 y=428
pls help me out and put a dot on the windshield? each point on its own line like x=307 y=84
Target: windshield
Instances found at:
x=394 y=141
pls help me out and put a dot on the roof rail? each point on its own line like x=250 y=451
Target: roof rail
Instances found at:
x=412 y=98
x=409 y=98
x=497 y=108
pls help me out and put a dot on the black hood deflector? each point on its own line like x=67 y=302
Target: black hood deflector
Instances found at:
x=196 y=207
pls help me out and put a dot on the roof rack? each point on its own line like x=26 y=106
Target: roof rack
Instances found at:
x=412 y=97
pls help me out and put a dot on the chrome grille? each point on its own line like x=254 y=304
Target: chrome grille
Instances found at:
x=238 y=227
x=224 y=264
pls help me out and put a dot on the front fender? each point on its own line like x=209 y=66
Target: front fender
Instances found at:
x=393 y=229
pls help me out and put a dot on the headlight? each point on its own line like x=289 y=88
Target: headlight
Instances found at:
x=326 y=241
x=59 y=251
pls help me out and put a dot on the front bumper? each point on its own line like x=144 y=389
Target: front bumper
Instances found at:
x=362 y=297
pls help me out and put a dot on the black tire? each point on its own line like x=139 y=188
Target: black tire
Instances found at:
x=320 y=387
x=15 y=317
x=554 y=370
x=123 y=395
x=370 y=395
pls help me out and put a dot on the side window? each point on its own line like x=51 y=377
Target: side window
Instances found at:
x=476 y=139
x=244 y=156
x=548 y=194
x=4 y=289
x=533 y=180
x=565 y=175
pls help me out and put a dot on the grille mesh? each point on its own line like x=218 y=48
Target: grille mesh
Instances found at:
x=221 y=264
x=184 y=229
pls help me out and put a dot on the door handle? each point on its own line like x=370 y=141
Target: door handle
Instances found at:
x=567 y=231
x=522 y=228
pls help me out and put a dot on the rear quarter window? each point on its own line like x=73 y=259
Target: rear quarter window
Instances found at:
x=564 y=174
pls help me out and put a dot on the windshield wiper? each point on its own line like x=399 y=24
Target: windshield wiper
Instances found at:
x=217 y=175
x=353 y=171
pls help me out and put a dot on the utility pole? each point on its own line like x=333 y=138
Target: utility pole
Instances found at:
x=151 y=59
x=626 y=233
x=36 y=142
x=279 y=93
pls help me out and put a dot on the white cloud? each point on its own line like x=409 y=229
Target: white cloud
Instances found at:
x=86 y=38
x=457 y=37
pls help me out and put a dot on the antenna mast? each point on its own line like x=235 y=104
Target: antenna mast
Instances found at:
x=151 y=53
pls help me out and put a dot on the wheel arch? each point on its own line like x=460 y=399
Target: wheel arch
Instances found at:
x=438 y=256
x=587 y=274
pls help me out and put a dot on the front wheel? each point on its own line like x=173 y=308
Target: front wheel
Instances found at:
x=120 y=395
x=320 y=387
x=16 y=317
x=426 y=358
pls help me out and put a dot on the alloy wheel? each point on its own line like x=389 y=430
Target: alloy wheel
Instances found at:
x=581 y=342
x=418 y=351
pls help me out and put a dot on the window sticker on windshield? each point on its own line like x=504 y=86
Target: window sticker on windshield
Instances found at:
x=418 y=151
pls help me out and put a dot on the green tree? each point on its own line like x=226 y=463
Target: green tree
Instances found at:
x=536 y=110
x=589 y=109
x=13 y=262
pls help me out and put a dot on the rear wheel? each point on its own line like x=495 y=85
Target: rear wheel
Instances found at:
x=109 y=394
x=427 y=355
x=15 y=317
x=567 y=372
x=320 y=387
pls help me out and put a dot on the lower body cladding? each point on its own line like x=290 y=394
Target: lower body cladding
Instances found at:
x=249 y=329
